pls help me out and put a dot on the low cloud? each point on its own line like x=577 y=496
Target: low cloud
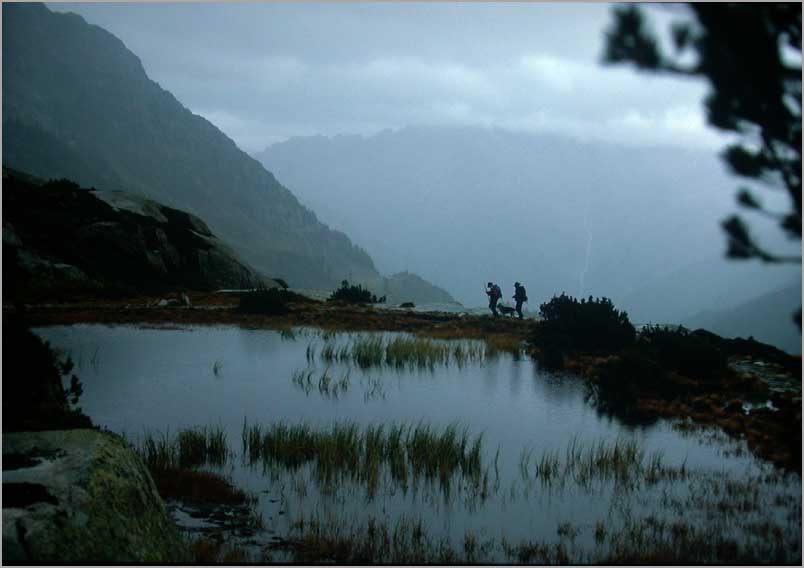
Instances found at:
x=268 y=72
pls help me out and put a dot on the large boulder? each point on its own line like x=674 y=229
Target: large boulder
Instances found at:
x=73 y=496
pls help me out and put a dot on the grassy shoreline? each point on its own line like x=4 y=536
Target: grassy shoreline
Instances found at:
x=768 y=433
x=221 y=309
x=698 y=516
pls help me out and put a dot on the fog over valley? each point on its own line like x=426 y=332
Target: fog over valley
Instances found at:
x=463 y=205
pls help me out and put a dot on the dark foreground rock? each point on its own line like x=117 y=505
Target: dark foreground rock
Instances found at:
x=82 y=496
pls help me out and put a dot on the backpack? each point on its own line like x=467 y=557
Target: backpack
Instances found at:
x=496 y=291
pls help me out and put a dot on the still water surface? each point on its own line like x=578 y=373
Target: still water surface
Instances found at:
x=158 y=379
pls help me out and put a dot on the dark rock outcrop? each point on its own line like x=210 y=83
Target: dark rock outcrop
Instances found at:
x=59 y=239
x=80 y=496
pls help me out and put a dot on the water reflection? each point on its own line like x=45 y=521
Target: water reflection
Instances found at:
x=149 y=379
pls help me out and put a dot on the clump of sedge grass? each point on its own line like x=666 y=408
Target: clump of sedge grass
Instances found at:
x=622 y=461
x=344 y=448
x=399 y=352
x=189 y=448
x=170 y=461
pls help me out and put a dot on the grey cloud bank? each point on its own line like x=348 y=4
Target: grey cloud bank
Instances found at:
x=264 y=72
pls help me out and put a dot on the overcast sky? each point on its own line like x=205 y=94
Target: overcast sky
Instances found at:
x=264 y=72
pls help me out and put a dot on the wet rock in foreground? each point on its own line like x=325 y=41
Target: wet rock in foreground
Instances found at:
x=82 y=496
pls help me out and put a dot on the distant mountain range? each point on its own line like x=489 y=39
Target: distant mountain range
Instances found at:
x=767 y=318
x=464 y=205
x=77 y=104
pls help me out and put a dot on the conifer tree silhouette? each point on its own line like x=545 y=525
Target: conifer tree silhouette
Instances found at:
x=751 y=56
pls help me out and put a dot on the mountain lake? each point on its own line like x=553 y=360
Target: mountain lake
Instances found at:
x=539 y=473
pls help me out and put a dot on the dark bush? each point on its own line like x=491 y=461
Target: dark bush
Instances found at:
x=61 y=183
x=34 y=397
x=587 y=325
x=694 y=355
x=352 y=294
x=270 y=301
x=645 y=368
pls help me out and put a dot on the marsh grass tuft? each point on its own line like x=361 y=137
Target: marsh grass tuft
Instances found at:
x=189 y=448
x=400 y=352
x=621 y=461
x=363 y=454
x=172 y=460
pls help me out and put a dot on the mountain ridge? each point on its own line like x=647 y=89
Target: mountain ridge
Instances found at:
x=766 y=317
x=78 y=104
x=558 y=214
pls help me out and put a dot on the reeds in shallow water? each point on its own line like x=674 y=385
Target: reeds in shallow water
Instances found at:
x=344 y=448
x=622 y=461
x=400 y=352
x=329 y=386
x=189 y=448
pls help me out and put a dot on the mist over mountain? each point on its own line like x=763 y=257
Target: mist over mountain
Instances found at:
x=766 y=318
x=77 y=104
x=464 y=205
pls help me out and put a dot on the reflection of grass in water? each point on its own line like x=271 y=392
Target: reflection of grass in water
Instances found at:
x=622 y=461
x=399 y=352
x=171 y=459
x=329 y=385
x=504 y=343
x=649 y=539
x=699 y=516
x=361 y=453
x=376 y=541
x=288 y=333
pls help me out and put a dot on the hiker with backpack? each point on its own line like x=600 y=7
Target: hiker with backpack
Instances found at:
x=494 y=293
x=520 y=296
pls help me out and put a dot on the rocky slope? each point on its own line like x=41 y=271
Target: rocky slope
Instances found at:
x=59 y=239
x=78 y=104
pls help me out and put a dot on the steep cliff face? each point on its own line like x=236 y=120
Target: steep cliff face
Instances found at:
x=77 y=104
x=60 y=239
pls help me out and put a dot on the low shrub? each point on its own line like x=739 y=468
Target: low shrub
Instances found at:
x=586 y=325
x=267 y=301
x=694 y=355
x=352 y=294
x=659 y=364
x=34 y=397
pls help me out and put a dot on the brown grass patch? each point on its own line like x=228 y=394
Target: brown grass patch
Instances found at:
x=195 y=485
